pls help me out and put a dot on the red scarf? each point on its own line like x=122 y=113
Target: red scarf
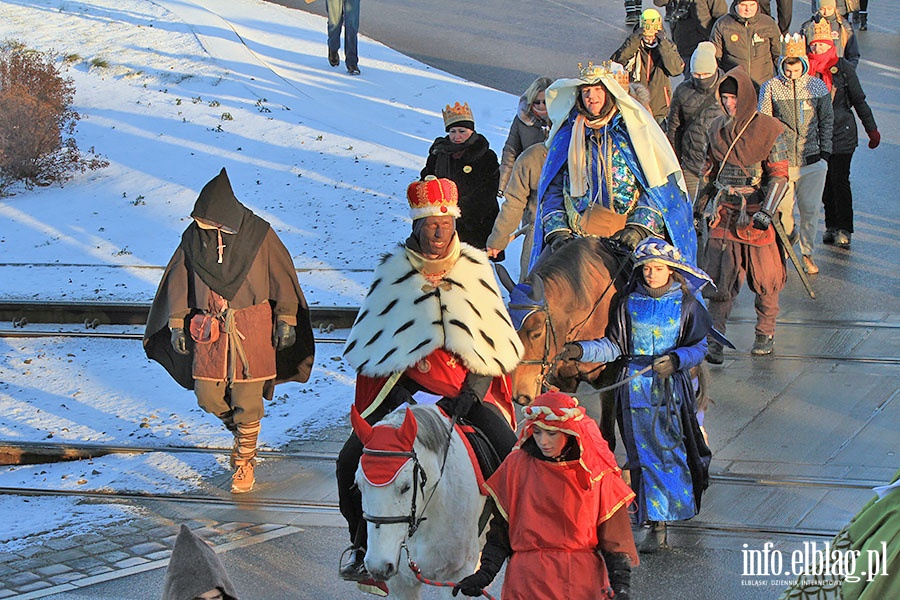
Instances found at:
x=822 y=65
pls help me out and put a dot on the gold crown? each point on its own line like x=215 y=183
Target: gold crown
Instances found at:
x=456 y=113
x=592 y=73
x=432 y=197
x=793 y=46
x=822 y=32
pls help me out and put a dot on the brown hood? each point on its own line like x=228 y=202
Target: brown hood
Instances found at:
x=759 y=131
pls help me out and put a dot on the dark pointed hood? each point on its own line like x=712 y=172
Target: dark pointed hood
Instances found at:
x=241 y=233
x=195 y=569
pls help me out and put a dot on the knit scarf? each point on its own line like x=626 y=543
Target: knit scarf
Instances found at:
x=820 y=65
x=578 y=174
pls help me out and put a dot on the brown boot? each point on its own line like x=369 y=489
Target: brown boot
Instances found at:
x=243 y=479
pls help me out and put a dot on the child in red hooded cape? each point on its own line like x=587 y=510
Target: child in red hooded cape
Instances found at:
x=560 y=510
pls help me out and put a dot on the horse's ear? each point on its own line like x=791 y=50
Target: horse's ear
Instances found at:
x=505 y=279
x=408 y=429
x=361 y=427
x=537 y=289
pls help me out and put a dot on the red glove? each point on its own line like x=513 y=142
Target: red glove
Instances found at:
x=874 y=138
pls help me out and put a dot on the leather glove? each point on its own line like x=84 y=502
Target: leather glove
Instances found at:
x=179 y=341
x=630 y=236
x=762 y=220
x=558 y=239
x=618 y=566
x=571 y=351
x=473 y=584
x=874 y=138
x=665 y=365
x=285 y=335
x=459 y=406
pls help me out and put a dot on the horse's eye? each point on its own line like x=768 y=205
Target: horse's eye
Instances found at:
x=405 y=488
x=535 y=334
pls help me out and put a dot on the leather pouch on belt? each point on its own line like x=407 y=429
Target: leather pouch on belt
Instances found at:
x=600 y=221
x=725 y=226
x=204 y=328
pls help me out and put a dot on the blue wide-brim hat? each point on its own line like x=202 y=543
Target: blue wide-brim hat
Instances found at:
x=656 y=250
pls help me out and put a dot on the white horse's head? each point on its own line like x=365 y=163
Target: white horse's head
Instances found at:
x=396 y=477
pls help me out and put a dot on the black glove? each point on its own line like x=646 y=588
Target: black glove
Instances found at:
x=558 y=239
x=631 y=235
x=285 y=335
x=825 y=156
x=665 y=365
x=619 y=568
x=179 y=341
x=571 y=351
x=473 y=584
x=762 y=220
x=459 y=406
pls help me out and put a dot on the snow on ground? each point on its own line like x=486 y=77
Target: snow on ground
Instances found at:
x=171 y=91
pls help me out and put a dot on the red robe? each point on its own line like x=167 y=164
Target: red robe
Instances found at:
x=554 y=536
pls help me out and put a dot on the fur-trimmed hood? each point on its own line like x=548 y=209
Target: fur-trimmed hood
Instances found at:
x=404 y=318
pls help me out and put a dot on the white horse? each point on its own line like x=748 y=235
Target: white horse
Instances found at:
x=417 y=501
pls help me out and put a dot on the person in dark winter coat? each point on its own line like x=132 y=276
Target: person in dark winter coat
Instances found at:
x=746 y=36
x=845 y=42
x=229 y=319
x=785 y=12
x=651 y=58
x=195 y=571
x=464 y=157
x=530 y=126
x=690 y=22
x=694 y=106
x=847 y=95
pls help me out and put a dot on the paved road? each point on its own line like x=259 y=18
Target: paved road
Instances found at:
x=797 y=418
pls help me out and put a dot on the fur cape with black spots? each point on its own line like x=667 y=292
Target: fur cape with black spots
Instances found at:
x=404 y=318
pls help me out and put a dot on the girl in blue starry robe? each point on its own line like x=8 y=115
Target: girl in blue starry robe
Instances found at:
x=659 y=323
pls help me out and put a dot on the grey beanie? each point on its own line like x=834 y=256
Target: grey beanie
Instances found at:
x=704 y=58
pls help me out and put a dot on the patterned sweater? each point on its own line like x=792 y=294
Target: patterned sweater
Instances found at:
x=804 y=106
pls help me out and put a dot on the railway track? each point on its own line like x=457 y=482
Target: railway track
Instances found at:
x=302 y=506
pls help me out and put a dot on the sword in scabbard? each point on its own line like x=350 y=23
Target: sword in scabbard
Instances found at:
x=786 y=243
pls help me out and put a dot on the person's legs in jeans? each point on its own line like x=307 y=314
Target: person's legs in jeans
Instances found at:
x=335 y=11
x=351 y=29
x=808 y=194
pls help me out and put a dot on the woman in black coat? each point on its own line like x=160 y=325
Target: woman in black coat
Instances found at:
x=465 y=157
x=847 y=95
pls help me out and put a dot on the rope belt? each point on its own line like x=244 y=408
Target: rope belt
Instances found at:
x=235 y=346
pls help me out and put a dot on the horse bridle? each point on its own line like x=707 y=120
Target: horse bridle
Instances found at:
x=544 y=362
x=419 y=480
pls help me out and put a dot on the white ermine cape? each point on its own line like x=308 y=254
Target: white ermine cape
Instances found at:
x=404 y=318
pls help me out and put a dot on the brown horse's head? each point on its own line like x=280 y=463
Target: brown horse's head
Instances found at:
x=567 y=297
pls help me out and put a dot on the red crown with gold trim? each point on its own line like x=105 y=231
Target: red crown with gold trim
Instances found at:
x=433 y=198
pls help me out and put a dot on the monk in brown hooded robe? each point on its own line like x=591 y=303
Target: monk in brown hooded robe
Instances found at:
x=229 y=319
x=742 y=186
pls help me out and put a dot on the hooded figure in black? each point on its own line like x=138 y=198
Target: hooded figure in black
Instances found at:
x=195 y=569
x=229 y=320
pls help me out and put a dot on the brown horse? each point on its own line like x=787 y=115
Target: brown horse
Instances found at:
x=570 y=296
x=567 y=297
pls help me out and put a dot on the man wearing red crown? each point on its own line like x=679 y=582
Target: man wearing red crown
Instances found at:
x=433 y=327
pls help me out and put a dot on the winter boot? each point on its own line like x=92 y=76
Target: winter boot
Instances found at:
x=862 y=18
x=654 y=539
x=763 y=345
x=243 y=456
x=633 y=12
x=715 y=353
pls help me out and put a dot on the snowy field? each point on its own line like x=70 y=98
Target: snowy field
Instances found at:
x=170 y=92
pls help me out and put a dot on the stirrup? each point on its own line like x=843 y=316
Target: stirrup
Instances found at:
x=353 y=568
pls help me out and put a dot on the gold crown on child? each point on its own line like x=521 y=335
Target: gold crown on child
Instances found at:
x=822 y=32
x=607 y=68
x=793 y=45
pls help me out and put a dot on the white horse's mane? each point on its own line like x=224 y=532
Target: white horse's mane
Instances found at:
x=433 y=428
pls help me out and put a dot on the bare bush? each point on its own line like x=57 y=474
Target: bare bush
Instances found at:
x=37 y=122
